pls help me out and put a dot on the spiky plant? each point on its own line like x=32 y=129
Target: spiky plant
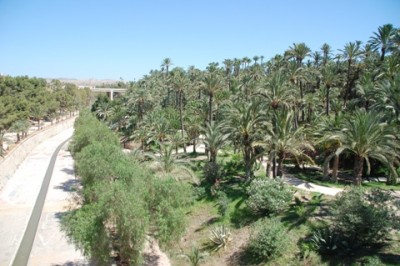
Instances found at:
x=220 y=236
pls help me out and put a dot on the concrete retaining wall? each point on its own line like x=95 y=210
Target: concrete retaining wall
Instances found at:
x=15 y=157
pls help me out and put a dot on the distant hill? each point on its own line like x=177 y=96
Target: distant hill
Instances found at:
x=86 y=82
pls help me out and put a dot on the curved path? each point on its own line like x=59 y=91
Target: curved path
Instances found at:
x=17 y=200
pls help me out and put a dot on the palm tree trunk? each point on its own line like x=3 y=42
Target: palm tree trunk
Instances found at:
x=210 y=108
x=301 y=105
x=268 y=172
x=247 y=158
x=327 y=101
x=358 y=170
x=335 y=168
x=194 y=146
x=280 y=165
x=181 y=118
x=347 y=92
x=274 y=172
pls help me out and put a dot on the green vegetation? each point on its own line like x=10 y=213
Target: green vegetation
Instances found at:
x=24 y=99
x=268 y=240
x=268 y=196
x=120 y=202
x=339 y=113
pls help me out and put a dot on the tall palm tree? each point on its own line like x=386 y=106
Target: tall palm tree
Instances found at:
x=285 y=139
x=351 y=52
x=324 y=128
x=367 y=136
x=383 y=39
x=166 y=63
x=276 y=91
x=214 y=139
x=244 y=122
x=211 y=83
x=389 y=102
x=329 y=79
x=180 y=82
x=298 y=51
x=326 y=51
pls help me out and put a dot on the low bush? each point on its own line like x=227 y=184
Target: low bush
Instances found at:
x=268 y=196
x=364 y=218
x=268 y=240
x=222 y=203
x=212 y=172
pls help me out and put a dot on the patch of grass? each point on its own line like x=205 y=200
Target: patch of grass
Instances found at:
x=381 y=185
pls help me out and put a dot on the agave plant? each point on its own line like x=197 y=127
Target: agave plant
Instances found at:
x=194 y=256
x=220 y=236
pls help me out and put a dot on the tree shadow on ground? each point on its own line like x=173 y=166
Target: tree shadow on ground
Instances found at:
x=69 y=171
x=69 y=185
x=72 y=263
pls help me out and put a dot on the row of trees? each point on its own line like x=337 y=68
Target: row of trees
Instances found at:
x=120 y=202
x=302 y=105
x=23 y=99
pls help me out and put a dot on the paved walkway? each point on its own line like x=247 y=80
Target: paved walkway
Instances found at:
x=311 y=187
x=18 y=197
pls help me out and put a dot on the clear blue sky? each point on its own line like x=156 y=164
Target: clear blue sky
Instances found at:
x=115 y=38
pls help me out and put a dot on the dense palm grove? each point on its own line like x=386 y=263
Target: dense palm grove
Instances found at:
x=336 y=109
x=24 y=99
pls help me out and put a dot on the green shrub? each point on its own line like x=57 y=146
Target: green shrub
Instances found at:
x=222 y=203
x=268 y=239
x=267 y=196
x=89 y=130
x=212 y=172
x=234 y=165
x=325 y=241
x=364 y=218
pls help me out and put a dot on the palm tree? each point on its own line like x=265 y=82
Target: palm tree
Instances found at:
x=284 y=139
x=383 y=39
x=214 y=139
x=167 y=164
x=299 y=51
x=351 y=52
x=166 y=63
x=367 y=91
x=329 y=79
x=276 y=90
x=324 y=128
x=256 y=58
x=211 y=83
x=180 y=83
x=244 y=121
x=104 y=110
x=389 y=102
x=326 y=51
x=367 y=136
